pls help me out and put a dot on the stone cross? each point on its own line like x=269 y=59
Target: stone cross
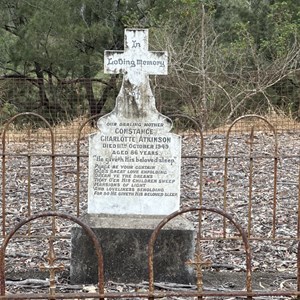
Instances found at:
x=135 y=63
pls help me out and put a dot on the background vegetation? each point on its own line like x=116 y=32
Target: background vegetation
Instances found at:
x=227 y=58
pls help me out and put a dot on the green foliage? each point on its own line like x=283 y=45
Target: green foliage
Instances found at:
x=283 y=29
x=62 y=36
x=7 y=111
x=236 y=54
x=226 y=57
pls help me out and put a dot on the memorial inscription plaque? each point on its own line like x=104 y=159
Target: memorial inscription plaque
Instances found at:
x=134 y=179
x=134 y=160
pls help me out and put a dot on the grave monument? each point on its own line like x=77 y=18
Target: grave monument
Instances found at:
x=134 y=177
x=134 y=165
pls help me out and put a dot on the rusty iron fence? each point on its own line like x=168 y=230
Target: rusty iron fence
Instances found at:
x=152 y=292
x=241 y=187
x=67 y=100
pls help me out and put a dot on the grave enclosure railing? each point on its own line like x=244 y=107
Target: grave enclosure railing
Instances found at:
x=251 y=174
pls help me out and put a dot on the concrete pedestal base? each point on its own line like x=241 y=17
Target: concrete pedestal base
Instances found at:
x=124 y=241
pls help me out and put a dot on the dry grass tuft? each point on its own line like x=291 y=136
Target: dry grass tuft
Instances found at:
x=279 y=121
x=61 y=132
x=70 y=131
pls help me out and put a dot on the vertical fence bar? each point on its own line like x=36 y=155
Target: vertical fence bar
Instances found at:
x=298 y=270
x=78 y=168
x=201 y=165
x=29 y=188
x=251 y=141
x=78 y=175
x=78 y=161
x=275 y=183
x=4 y=156
x=274 y=199
x=53 y=181
x=3 y=182
x=249 y=225
x=225 y=183
x=87 y=229
x=298 y=220
x=225 y=187
x=230 y=219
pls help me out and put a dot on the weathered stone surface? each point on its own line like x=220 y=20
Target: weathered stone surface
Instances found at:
x=134 y=177
x=127 y=179
x=124 y=241
x=134 y=161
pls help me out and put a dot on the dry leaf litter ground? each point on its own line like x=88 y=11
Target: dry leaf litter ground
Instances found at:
x=274 y=261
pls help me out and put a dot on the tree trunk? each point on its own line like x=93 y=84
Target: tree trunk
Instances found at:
x=109 y=87
x=88 y=85
x=42 y=93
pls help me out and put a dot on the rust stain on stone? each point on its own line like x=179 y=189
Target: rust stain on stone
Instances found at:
x=133 y=107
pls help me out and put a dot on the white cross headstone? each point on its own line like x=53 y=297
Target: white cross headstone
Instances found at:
x=134 y=162
x=136 y=62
